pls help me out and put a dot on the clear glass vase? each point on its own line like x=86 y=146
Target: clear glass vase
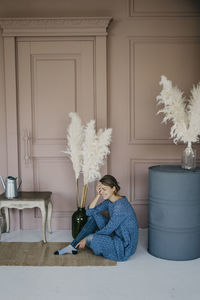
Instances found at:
x=189 y=158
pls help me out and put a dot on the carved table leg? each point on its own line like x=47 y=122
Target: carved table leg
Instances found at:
x=50 y=206
x=44 y=219
x=0 y=222
x=7 y=219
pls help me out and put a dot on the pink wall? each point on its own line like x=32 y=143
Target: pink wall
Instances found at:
x=146 y=39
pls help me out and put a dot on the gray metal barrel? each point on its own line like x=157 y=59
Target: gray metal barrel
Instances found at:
x=174 y=212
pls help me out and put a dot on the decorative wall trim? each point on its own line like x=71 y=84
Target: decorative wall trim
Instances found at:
x=165 y=39
x=11 y=106
x=55 y=214
x=133 y=162
x=133 y=41
x=134 y=13
x=55 y=26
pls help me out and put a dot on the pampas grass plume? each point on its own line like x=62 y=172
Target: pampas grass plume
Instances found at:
x=184 y=114
x=87 y=151
x=75 y=136
x=95 y=149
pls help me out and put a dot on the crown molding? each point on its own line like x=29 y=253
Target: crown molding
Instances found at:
x=76 y=26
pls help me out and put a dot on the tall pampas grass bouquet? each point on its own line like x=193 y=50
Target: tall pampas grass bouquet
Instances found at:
x=183 y=113
x=87 y=150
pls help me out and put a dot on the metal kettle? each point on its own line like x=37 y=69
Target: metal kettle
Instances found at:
x=10 y=186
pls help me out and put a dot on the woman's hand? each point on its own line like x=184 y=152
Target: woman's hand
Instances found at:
x=95 y=200
x=98 y=188
x=81 y=244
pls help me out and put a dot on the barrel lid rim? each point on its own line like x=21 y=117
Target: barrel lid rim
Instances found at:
x=173 y=169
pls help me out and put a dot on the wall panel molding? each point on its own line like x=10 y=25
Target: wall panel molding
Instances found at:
x=175 y=9
x=136 y=197
x=11 y=105
x=55 y=214
x=145 y=41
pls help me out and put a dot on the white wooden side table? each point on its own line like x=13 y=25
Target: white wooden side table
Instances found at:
x=41 y=200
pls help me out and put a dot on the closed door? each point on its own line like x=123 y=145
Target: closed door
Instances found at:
x=55 y=77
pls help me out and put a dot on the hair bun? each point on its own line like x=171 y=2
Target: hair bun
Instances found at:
x=110 y=181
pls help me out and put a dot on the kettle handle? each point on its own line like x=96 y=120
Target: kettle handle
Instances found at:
x=3 y=183
x=20 y=183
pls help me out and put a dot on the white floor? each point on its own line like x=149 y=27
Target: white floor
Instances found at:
x=142 y=277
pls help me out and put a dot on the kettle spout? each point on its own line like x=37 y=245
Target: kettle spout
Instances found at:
x=3 y=183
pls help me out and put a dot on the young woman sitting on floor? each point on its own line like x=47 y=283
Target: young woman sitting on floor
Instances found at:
x=116 y=237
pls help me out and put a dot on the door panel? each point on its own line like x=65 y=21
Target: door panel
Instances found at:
x=48 y=89
x=54 y=78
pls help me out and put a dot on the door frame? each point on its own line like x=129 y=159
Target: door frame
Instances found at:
x=50 y=27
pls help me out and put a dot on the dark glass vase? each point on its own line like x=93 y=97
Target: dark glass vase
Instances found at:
x=79 y=219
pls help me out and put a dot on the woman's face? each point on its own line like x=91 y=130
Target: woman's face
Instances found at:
x=106 y=192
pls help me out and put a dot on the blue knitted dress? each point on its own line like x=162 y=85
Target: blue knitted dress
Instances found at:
x=117 y=237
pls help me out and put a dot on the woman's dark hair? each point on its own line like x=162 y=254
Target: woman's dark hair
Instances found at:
x=110 y=181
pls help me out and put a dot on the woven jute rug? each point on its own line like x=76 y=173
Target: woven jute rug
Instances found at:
x=40 y=254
